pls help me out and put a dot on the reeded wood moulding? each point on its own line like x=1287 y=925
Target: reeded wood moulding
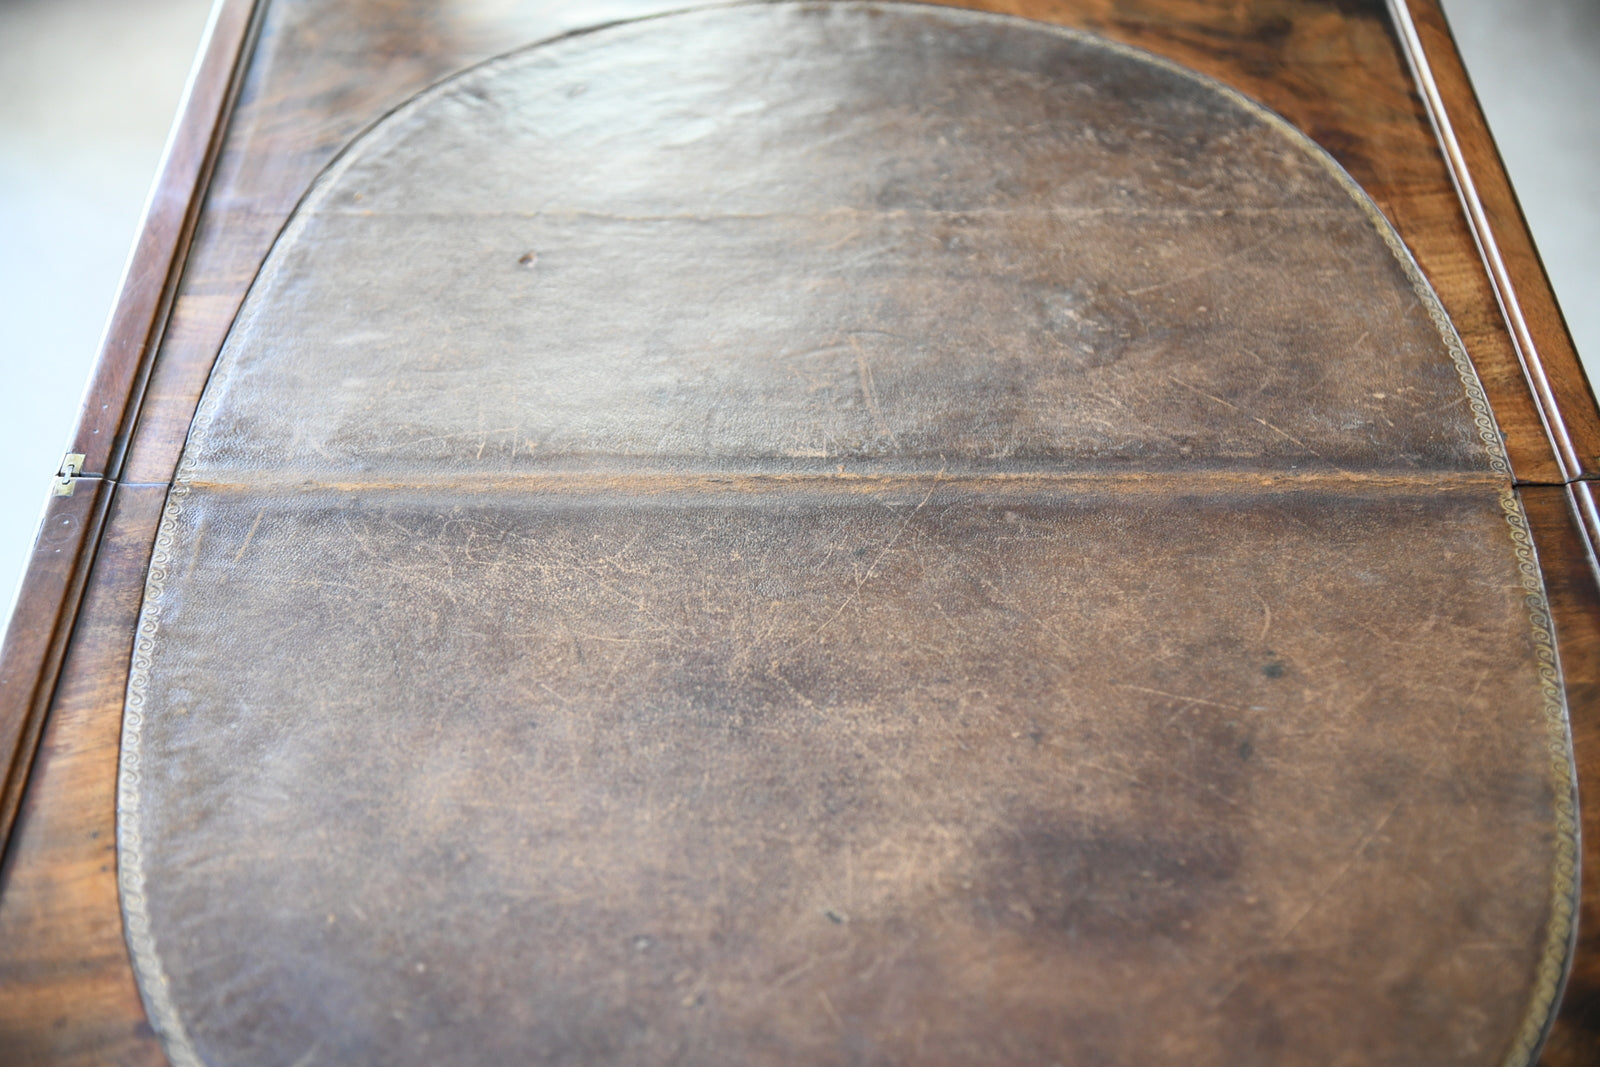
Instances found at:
x=46 y=607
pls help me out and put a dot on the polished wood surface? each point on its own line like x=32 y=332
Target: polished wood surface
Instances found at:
x=41 y=622
x=320 y=74
x=48 y=599
x=68 y=991
x=1526 y=302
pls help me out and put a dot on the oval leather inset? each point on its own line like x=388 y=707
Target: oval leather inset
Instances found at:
x=843 y=533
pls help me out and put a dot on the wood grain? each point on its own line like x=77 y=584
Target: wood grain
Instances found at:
x=150 y=283
x=320 y=72
x=42 y=617
x=37 y=637
x=1538 y=332
x=1587 y=509
x=67 y=994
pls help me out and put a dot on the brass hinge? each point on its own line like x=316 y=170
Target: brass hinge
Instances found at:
x=67 y=477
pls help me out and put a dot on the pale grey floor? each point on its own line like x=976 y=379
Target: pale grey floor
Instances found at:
x=88 y=89
x=1536 y=65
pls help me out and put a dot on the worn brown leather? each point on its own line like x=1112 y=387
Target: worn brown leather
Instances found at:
x=843 y=533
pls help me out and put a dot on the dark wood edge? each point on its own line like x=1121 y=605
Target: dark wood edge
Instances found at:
x=1586 y=510
x=44 y=614
x=150 y=280
x=47 y=602
x=1527 y=303
x=41 y=621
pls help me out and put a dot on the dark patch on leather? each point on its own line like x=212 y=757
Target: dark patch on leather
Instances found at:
x=1076 y=881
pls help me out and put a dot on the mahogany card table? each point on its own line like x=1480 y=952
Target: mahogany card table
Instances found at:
x=845 y=532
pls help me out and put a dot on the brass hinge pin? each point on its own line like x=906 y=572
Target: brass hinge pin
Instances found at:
x=68 y=474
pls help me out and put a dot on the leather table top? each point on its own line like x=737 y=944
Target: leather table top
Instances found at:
x=843 y=533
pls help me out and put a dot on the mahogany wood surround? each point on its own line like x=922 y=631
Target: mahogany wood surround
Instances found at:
x=1171 y=509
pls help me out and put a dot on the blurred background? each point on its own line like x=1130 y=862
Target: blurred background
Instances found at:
x=88 y=89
